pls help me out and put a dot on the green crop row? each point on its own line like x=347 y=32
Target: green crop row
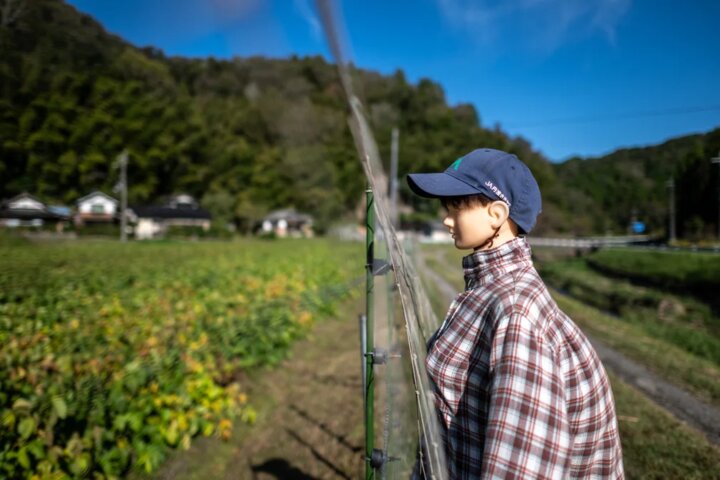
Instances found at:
x=111 y=354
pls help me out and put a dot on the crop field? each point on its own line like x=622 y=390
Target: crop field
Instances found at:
x=113 y=354
x=656 y=320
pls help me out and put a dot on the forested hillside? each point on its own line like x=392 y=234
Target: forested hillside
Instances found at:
x=248 y=135
x=634 y=183
x=245 y=135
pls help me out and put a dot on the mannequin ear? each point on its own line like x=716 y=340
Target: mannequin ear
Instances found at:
x=499 y=213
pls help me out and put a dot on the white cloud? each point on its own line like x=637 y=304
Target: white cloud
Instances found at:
x=307 y=13
x=541 y=25
x=230 y=11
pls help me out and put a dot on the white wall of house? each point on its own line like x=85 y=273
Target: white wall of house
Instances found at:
x=98 y=205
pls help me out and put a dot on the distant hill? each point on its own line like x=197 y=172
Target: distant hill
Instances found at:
x=249 y=135
x=632 y=183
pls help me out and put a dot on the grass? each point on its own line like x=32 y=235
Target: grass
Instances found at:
x=677 y=336
x=446 y=263
x=657 y=446
x=698 y=375
x=680 y=320
x=668 y=270
x=438 y=302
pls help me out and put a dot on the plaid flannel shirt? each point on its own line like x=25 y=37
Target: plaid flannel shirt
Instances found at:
x=519 y=389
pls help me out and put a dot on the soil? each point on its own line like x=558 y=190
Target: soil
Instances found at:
x=310 y=416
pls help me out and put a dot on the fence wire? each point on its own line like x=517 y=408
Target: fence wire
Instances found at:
x=419 y=319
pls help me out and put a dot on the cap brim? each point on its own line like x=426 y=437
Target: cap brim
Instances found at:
x=436 y=185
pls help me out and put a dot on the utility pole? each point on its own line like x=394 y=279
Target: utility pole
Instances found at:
x=671 y=210
x=122 y=164
x=717 y=160
x=393 y=176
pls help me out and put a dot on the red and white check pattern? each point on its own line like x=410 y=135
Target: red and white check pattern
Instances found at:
x=519 y=389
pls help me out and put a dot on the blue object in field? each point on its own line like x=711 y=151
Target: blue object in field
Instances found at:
x=638 y=227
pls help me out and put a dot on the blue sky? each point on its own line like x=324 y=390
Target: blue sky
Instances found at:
x=574 y=77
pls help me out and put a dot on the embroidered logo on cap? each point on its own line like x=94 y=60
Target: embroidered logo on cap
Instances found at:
x=497 y=192
x=456 y=164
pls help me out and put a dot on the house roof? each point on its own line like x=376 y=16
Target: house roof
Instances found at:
x=169 y=212
x=43 y=212
x=22 y=196
x=95 y=194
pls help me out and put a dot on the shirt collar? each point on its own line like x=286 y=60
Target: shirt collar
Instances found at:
x=497 y=261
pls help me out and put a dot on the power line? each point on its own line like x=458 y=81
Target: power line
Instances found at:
x=618 y=116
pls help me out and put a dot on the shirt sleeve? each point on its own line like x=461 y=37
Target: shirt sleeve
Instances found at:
x=527 y=433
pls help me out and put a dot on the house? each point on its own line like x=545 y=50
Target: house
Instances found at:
x=153 y=221
x=96 y=207
x=288 y=222
x=25 y=210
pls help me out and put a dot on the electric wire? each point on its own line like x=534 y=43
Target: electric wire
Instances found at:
x=613 y=117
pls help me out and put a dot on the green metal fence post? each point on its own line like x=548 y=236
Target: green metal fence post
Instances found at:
x=370 y=341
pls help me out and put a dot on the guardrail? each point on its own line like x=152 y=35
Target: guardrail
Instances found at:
x=588 y=242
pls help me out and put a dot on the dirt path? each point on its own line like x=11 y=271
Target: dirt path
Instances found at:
x=682 y=404
x=679 y=402
x=310 y=420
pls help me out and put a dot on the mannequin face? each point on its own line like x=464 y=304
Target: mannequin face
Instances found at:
x=473 y=226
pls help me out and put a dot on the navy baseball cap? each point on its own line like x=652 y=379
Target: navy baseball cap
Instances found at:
x=496 y=174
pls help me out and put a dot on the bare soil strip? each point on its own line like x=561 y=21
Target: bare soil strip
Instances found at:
x=310 y=417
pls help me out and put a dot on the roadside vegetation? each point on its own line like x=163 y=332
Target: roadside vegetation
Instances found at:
x=697 y=375
x=655 y=444
x=674 y=335
x=695 y=273
x=112 y=354
x=680 y=320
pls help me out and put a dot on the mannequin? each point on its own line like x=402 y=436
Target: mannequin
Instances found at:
x=519 y=389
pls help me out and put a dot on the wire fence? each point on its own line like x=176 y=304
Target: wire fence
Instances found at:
x=418 y=319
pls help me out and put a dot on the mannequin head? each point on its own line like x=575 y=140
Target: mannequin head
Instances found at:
x=478 y=222
x=489 y=175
